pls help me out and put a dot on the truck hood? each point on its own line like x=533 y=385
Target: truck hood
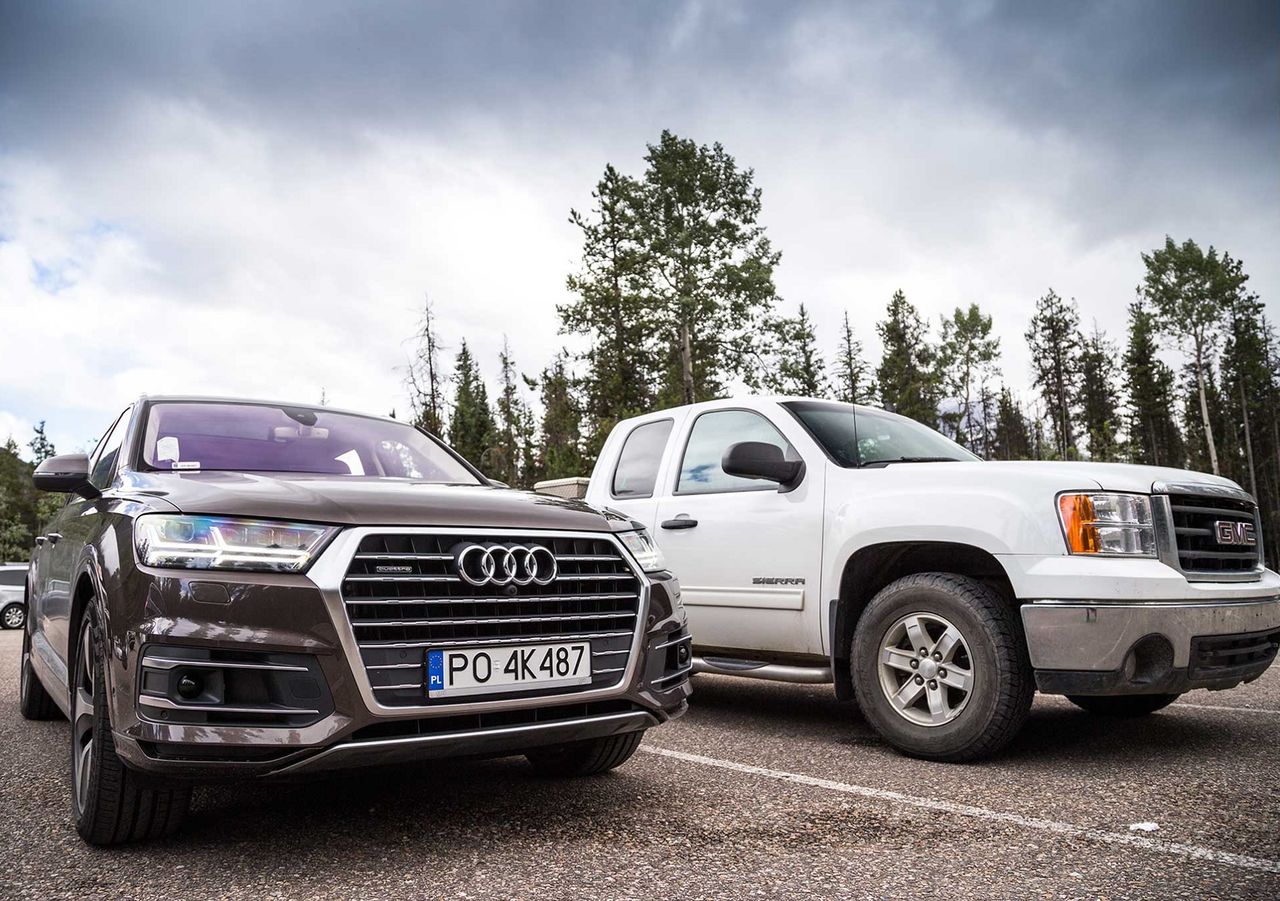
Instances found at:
x=1107 y=476
x=373 y=501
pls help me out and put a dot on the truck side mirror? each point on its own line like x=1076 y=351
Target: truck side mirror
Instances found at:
x=760 y=460
x=66 y=473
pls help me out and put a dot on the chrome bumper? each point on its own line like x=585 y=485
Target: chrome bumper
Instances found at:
x=1079 y=635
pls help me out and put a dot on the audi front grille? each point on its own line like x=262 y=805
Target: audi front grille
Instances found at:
x=1196 y=523
x=405 y=594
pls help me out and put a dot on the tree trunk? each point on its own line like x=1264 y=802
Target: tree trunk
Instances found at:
x=1248 y=441
x=1204 y=411
x=686 y=361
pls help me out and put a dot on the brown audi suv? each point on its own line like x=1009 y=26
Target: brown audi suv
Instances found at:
x=243 y=589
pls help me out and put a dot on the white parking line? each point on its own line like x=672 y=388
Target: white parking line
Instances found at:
x=1177 y=849
x=1228 y=707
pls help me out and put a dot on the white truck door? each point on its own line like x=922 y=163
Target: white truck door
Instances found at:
x=630 y=486
x=748 y=556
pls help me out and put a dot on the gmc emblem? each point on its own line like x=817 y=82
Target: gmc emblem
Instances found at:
x=1231 y=532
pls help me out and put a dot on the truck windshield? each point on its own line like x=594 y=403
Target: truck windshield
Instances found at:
x=857 y=436
x=243 y=437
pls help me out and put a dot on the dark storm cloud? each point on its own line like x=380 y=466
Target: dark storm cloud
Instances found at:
x=66 y=68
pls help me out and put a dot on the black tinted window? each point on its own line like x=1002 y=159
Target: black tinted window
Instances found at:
x=637 y=470
x=712 y=435
x=107 y=451
x=13 y=576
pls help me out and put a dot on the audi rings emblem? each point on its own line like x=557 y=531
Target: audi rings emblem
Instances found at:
x=507 y=565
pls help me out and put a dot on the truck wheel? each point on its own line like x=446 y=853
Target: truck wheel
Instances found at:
x=34 y=703
x=585 y=758
x=1122 y=705
x=940 y=667
x=111 y=803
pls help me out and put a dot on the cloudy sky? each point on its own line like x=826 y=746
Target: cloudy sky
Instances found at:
x=253 y=199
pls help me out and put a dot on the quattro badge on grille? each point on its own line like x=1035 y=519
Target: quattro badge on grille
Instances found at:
x=500 y=564
x=1236 y=533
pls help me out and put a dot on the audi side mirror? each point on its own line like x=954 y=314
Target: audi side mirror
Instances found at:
x=759 y=460
x=66 y=474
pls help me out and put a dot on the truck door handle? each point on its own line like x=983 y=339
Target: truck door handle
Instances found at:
x=680 y=522
x=53 y=537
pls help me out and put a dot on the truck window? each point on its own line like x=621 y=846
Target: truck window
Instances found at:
x=104 y=455
x=637 y=469
x=713 y=433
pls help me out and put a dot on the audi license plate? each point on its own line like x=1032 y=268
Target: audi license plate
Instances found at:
x=475 y=671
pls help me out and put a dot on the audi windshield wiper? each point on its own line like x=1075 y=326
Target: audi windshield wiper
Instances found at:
x=888 y=460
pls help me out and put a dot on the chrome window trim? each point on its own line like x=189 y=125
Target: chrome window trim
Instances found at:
x=329 y=569
x=1167 y=543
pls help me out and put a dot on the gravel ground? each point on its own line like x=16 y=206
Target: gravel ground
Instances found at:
x=765 y=791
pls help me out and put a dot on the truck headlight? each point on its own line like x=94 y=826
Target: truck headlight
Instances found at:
x=211 y=542
x=1108 y=525
x=641 y=546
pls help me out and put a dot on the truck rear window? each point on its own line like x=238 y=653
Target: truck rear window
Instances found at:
x=637 y=469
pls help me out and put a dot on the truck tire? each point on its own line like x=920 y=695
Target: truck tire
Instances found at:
x=940 y=667
x=1122 y=705
x=34 y=703
x=585 y=758
x=111 y=803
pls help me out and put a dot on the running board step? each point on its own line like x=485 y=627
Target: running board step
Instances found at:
x=758 y=669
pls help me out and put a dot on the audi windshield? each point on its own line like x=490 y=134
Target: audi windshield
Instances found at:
x=216 y=436
x=858 y=436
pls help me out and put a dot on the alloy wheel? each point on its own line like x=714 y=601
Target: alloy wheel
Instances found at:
x=82 y=720
x=14 y=617
x=925 y=669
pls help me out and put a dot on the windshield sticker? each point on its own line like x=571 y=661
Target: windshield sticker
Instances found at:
x=186 y=464
x=167 y=449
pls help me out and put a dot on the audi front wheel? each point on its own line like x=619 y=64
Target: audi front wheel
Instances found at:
x=111 y=803
x=940 y=668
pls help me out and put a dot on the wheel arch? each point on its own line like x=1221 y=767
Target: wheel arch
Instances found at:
x=872 y=568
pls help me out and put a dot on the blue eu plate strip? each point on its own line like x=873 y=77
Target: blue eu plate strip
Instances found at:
x=435 y=671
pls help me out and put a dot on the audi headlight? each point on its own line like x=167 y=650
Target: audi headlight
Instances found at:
x=210 y=542
x=1108 y=525
x=641 y=546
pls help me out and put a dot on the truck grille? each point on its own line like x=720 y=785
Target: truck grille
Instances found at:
x=1195 y=520
x=404 y=595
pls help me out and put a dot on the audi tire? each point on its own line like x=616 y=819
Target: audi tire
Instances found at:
x=585 y=758
x=111 y=803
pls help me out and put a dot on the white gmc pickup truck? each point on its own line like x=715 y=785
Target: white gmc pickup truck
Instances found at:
x=819 y=542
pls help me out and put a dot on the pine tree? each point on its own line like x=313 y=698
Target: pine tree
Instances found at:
x=610 y=309
x=1193 y=385
x=423 y=376
x=41 y=447
x=1251 y=397
x=561 y=455
x=709 y=267
x=967 y=358
x=906 y=375
x=853 y=381
x=471 y=427
x=1054 y=340
x=510 y=455
x=1099 y=401
x=796 y=366
x=1011 y=437
x=1153 y=432
x=1191 y=292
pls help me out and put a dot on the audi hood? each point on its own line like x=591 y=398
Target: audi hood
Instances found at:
x=363 y=501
